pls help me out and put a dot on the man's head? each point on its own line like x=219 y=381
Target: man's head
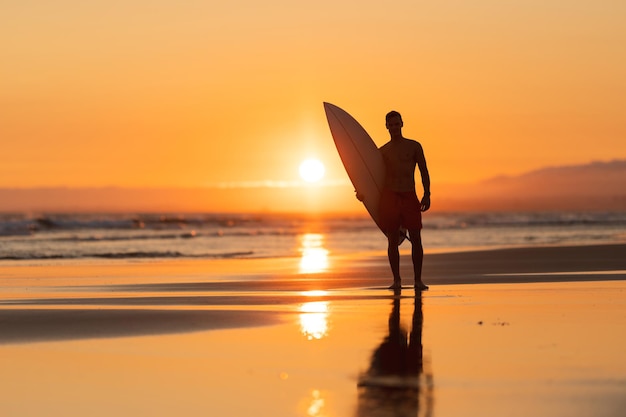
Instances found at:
x=393 y=122
x=391 y=115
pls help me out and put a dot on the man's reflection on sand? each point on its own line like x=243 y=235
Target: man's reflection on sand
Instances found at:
x=395 y=383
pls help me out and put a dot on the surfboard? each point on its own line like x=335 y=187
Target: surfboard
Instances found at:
x=360 y=157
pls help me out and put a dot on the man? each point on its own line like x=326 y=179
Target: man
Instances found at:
x=399 y=205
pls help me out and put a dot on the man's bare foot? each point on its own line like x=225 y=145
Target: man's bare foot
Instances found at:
x=420 y=286
x=396 y=285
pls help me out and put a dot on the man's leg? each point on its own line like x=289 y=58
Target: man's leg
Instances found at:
x=417 y=254
x=394 y=258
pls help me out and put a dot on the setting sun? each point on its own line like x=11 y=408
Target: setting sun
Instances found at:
x=312 y=170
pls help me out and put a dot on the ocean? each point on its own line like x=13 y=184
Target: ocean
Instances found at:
x=80 y=236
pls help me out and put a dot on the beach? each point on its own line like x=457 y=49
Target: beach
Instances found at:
x=516 y=331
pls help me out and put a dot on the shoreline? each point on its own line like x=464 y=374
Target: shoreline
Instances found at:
x=579 y=255
x=134 y=297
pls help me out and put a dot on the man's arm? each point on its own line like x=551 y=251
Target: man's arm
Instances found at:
x=421 y=163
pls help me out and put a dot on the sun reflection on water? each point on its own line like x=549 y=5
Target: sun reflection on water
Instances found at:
x=317 y=404
x=314 y=319
x=314 y=256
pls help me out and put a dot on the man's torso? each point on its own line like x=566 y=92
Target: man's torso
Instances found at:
x=400 y=156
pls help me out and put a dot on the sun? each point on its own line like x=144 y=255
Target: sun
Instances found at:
x=312 y=170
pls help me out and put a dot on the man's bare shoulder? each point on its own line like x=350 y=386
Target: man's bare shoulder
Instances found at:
x=403 y=145
x=413 y=145
x=385 y=146
x=412 y=142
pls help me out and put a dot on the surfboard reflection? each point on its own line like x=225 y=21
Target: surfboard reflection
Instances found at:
x=314 y=257
x=395 y=382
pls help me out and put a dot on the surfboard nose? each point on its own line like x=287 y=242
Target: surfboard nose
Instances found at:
x=329 y=106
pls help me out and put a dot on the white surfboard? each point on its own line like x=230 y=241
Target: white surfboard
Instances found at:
x=360 y=156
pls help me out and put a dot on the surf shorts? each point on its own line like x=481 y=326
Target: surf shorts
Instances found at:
x=399 y=209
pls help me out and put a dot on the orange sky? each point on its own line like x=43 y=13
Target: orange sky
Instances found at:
x=140 y=93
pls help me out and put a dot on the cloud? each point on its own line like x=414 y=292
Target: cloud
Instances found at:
x=279 y=184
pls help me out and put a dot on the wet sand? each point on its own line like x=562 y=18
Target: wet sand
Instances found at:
x=529 y=331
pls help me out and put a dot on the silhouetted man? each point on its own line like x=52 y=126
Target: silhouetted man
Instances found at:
x=399 y=205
